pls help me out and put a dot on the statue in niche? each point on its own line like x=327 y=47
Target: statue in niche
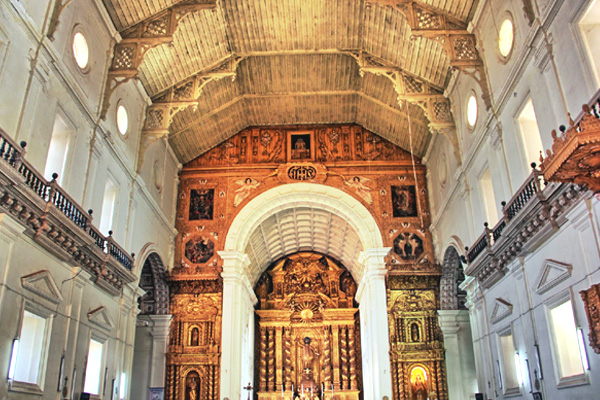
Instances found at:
x=358 y=184
x=195 y=337
x=192 y=381
x=418 y=383
x=300 y=147
x=246 y=186
x=309 y=357
x=201 y=204
x=404 y=202
x=414 y=332
x=348 y=286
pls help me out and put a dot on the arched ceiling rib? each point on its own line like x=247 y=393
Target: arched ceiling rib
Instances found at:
x=295 y=66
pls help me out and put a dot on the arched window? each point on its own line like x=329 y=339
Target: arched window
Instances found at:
x=451 y=296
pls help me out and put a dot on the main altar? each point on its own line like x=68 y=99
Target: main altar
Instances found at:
x=307 y=342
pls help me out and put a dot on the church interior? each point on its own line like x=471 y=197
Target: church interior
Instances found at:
x=299 y=199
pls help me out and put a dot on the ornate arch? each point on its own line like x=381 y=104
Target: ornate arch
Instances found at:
x=152 y=280
x=309 y=195
x=451 y=296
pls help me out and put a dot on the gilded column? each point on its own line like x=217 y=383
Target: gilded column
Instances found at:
x=352 y=357
x=263 y=360
x=336 y=356
x=287 y=360
x=271 y=360
x=326 y=368
x=344 y=358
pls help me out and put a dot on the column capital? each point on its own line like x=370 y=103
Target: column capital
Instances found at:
x=234 y=262
x=235 y=269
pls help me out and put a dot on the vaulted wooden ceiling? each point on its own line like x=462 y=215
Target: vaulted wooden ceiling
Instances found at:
x=292 y=62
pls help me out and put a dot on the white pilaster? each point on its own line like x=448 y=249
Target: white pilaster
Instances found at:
x=371 y=295
x=460 y=358
x=160 y=337
x=238 y=321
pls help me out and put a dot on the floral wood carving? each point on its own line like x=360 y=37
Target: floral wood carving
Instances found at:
x=591 y=300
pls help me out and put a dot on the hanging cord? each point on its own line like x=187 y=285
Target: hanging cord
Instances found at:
x=412 y=158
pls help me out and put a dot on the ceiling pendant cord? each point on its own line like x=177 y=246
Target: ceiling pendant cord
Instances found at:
x=412 y=158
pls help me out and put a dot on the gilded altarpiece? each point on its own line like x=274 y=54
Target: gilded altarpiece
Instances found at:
x=308 y=342
x=194 y=346
x=416 y=347
x=384 y=178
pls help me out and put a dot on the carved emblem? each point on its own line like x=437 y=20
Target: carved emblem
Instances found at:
x=294 y=172
x=302 y=172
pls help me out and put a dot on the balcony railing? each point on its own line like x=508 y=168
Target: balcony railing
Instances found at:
x=532 y=188
x=532 y=212
x=12 y=156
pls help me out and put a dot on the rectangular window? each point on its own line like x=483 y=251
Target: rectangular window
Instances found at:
x=509 y=369
x=108 y=207
x=589 y=28
x=489 y=198
x=30 y=358
x=93 y=368
x=566 y=342
x=530 y=134
x=57 y=152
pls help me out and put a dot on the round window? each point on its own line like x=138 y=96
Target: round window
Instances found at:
x=506 y=37
x=80 y=50
x=472 y=109
x=122 y=120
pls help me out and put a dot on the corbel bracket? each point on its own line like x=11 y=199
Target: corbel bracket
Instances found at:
x=430 y=22
x=165 y=105
x=416 y=91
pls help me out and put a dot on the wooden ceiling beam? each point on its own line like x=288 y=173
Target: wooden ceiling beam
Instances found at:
x=416 y=91
x=129 y=53
x=430 y=22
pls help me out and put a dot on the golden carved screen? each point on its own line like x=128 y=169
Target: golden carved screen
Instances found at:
x=307 y=341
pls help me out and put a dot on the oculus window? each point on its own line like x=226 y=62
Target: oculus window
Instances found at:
x=122 y=119
x=81 y=50
x=472 y=110
x=506 y=36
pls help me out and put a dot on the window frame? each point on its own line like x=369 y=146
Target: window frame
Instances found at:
x=554 y=302
x=521 y=135
x=507 y=391
x=37 y=387
x=103 y=340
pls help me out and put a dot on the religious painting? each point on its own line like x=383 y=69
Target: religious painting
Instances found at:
x=201 y=204
x=404 y=201
x=199 y=250
x=300 y=146
x=408 y=245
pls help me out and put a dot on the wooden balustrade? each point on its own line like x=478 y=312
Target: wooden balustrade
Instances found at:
x=12 y=156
